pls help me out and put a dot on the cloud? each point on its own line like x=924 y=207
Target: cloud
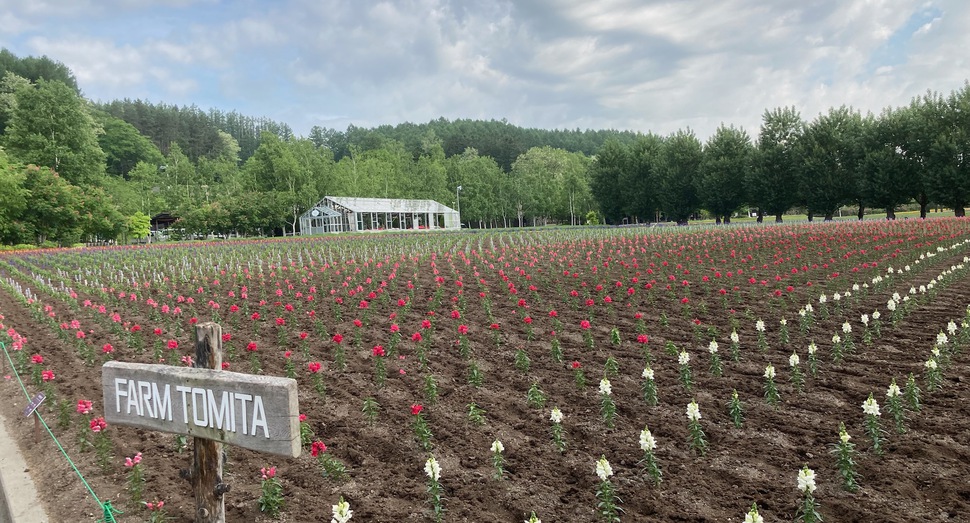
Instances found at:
x=626 y=64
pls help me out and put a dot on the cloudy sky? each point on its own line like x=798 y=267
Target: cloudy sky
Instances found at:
x=626 y=64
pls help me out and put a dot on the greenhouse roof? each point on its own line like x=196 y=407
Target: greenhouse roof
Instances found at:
x=389 y=205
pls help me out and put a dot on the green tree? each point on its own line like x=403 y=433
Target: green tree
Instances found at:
x=610 y=183
x=13 y=200
x=946 y=124
x=727 y=160
x=830 y=152
x=888 y=177
x=139 y=225
x=679 y=165
x=50 y=126
x=124 y=146
x=54 y=213
x=640 y=186
x=771 y=184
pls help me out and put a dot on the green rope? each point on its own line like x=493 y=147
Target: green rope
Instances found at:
x=106 y=505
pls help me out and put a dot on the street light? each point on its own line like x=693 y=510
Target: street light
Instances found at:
x=458 y=204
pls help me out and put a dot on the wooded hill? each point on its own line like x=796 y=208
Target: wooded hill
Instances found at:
x=72 y=170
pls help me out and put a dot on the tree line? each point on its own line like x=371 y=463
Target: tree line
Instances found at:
x=101 y=169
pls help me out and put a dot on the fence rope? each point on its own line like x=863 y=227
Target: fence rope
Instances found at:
x=105 y=506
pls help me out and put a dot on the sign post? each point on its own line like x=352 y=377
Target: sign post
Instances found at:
x=215 y=407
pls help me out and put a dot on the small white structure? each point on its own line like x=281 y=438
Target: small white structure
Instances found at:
x=341 y=214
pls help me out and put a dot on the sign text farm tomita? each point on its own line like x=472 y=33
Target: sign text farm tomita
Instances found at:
x=254 y=412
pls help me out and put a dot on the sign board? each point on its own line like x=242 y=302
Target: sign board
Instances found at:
x=254 y=412
x=34 y=403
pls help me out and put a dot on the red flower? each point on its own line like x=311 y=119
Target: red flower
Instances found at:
x=107 y=348
x=317 y=448
x=251 y=346
x=193 y=321
x=553 y=314
x=463 y=329
x=575 y=365
x=637 y=316
x=37 y=358
x=584 y=324
x=416 y=409
x=268 y=473
x=684 y=301
x=394 y=327
x=642 y=338
x=98 y=424
x=226 y=337
x=494 y=326
x=172 y=344
x=303 y=335
x=313 y=366
x=225 y=365
x=233 y=308
x=302 y=417
x=288 y=354
x=358 y=323
x=337 y=338
x=280 y=322
x=47 y=375
x=84 y=406
x=378 y=351
x=455 y=314
x=528 y=320
x=416 y=337
x=426 y=324
x=255 y=316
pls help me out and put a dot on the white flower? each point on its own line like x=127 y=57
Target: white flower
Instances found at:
x=693 y=411
x=951 y=328
x=836 y=297
x=783 y=321
x=846 y=328
x=912 y=290
x=836 y=338
x=734 y=337
x=647 y=443
x=941 y=339
x=889 y=270
x=806 y=480
x=922 y=289
x=844 y=437
x=896 y=296
x=497 y=447
x=855 y=287
x=935 y=351
x=342 y=512
x=683 y=358
x=759 y=326
x=812 y=348
x=556 y=415
x=870 y=406
x=753 y=517
x=893 y=390
x=793 y=360
x=906 y=268
x=712 y=347
x=770 y=371
x=865 y=319
x=533 y=519
x=603 y=469
x=847 y=294
x=647 y=373
x=432 y=469
x=876 y=315
x=891 y=305
x=809 y=308
x=801 y=312
x=930 y=364
x=605 y=388
x=823 y=298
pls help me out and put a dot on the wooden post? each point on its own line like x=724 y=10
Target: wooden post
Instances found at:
x=206 y=475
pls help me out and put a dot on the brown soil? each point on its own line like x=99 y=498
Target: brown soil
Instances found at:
x=922 y=476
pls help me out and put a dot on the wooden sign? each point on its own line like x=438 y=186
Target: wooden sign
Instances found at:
x=255 y=412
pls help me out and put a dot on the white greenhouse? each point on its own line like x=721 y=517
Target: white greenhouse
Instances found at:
x=342 y=214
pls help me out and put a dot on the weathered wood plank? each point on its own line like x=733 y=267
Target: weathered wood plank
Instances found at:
x=206 y=476
x=255 y=412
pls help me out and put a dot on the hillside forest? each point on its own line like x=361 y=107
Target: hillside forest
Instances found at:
x=73 y=170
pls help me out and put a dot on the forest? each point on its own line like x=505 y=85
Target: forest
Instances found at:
x=73 y=171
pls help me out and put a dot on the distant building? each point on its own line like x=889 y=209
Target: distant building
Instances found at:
x=343 y=214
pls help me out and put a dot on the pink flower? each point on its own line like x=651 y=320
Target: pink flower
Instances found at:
x=303 y=335
x=37 y=358
x=302 y=418
x=642 y=338
x=584 y=324
x=337 y=338
x=172 y=344
x=317 y=448
x=394 y=328
x=98 y=424
x=313 y=366
x=107 y=348
x=268 y=473
x=378 y=351
x=47 y=375
x=251 y=346
x=84 y=406
x=416 y=409
x=416 y=337
x=463 y=329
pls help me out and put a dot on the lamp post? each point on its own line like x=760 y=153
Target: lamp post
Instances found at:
x=458 y=204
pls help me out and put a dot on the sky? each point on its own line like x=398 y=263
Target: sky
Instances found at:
x=644 y=65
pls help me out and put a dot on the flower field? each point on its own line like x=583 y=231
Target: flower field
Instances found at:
x=581 y=375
